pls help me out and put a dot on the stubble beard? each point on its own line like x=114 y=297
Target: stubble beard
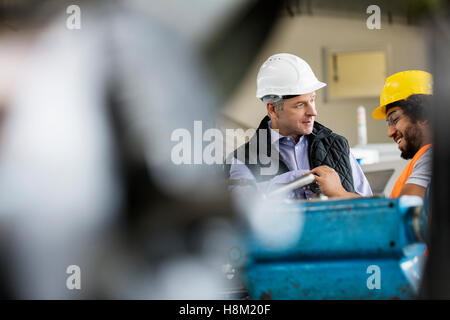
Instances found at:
x=413 y=137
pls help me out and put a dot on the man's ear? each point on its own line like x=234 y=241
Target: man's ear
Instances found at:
x=272 y=110
x=424 y=124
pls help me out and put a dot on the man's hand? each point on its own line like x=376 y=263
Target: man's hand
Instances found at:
x=330 y=183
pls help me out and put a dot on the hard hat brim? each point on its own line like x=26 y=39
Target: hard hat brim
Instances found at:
x=379 y=113
x=290 y=91
x=317 y=86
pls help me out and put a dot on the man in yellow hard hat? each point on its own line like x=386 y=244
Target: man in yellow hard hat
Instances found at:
x=405 y=103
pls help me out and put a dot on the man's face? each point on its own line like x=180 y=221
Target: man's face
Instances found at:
x=297 y=116
x=404 y=132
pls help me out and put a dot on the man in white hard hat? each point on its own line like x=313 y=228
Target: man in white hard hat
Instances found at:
x=287 y=86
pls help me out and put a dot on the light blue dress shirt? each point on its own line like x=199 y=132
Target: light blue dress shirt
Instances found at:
x=295 y=155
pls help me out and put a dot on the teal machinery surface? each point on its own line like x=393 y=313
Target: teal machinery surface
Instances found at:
x=347 y=249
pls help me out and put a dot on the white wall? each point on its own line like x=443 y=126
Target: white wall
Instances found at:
x=306 y=37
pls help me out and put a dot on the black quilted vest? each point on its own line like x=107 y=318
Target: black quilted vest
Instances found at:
x=324 y=148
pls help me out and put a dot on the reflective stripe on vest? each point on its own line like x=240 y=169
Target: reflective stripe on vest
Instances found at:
x=407 y=172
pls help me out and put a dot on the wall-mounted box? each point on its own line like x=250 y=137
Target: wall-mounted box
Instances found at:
x=354 y=74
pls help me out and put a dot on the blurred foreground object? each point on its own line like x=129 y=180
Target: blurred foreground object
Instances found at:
x=341 y=249
x=85 y=161
x=436 y=282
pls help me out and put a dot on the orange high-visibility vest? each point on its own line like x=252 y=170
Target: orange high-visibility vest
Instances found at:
x=407 y=172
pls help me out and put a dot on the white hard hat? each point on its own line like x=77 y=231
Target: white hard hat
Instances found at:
x=285 y=74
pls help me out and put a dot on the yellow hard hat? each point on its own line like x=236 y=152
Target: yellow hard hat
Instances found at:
x=400 y=86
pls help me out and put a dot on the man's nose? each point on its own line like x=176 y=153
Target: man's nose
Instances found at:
x=391 y=131
x=311 y=110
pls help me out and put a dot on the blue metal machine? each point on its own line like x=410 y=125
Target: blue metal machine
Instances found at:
x=348 y=249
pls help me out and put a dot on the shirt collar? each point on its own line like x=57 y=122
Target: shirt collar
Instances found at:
x=275 y=136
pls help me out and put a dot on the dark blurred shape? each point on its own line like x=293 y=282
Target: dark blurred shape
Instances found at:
x=436 y=281
x=20 y=15
x=412 y=10
x=232 y=51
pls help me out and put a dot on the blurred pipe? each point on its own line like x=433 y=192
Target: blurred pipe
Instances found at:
x=301 y=182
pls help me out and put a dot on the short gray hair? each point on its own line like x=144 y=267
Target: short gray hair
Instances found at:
x=276 y=100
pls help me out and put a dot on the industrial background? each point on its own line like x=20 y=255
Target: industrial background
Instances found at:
x=85 y=117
